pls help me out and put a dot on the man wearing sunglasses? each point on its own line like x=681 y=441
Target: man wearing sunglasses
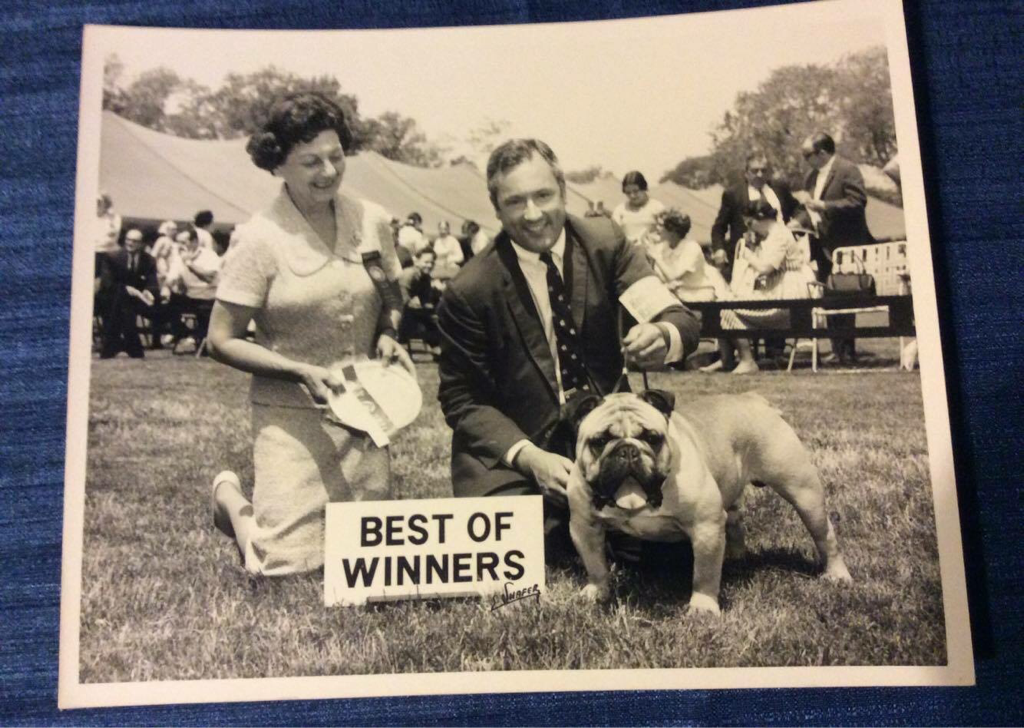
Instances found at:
x=729 y=226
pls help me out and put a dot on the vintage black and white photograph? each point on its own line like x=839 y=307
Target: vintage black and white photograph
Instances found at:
x=671 y=277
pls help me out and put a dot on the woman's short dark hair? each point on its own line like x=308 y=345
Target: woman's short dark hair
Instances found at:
x=676 y=222
x=760 y=210
x=634 y=178
x=296 y=119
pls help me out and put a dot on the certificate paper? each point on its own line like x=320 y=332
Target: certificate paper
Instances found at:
x=157 y=606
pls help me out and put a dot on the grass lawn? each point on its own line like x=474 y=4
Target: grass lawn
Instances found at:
x=164 y=596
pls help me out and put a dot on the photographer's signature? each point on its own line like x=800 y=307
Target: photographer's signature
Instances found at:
x=510 y=596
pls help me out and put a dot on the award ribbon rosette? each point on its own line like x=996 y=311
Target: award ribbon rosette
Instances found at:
x=376 y=398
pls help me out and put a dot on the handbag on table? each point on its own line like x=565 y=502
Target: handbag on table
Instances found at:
x=843 y=285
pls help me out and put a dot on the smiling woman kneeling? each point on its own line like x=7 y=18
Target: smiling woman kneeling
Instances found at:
x=298 y=271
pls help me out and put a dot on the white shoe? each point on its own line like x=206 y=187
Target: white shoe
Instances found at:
x=715 y=366
x=746 y=367
x=220 y=517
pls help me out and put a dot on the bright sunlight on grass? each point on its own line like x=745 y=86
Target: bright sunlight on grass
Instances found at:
x=164 y=596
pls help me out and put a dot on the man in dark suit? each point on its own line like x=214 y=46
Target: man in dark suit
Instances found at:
x=837 y=205
x=531 y=322
x=729 y=226
x=129 y=285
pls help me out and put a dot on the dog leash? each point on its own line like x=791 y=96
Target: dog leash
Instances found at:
x=624 y=377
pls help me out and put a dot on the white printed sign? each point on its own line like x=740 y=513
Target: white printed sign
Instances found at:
x=646 y=298
x=448 y=547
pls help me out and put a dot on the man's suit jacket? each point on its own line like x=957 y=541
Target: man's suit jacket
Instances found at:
x=729 y=225
x=115 y=276
x=497 y=374
x=843 y=220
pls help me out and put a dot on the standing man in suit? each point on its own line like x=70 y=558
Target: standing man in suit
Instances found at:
x=837 y=206
x=729 y=226
x=129 y=279
x=531 y=322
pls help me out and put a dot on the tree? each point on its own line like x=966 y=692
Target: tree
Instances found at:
x=794 y=102
x=693 y=172
x=866 y=98
x=851 y=100
x=585 y=176
x=462 y=159
x=113 y=94
x=398 y=138
x=159 y=99
x=485 y=137
x=242 y=104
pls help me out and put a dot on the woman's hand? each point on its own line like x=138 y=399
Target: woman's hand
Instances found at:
x=391 y=351
x=320 y=381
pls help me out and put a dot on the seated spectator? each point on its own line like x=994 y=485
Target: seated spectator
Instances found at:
x=108 y=226
x=420 y=293
x=680 y=263
x=202 y=222
x=446 y=248
x=478 y=237
x=191 y=286
x=404 y=256
x=129 y=281
x=163 y=249
x=637 y=216
x=469 y=229
x=770 y=264
x=105 y=233
x=410 y=235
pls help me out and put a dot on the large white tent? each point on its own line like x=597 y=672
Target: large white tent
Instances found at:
x=155 y=176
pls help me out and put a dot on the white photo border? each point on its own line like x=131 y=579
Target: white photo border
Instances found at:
x=959 y=670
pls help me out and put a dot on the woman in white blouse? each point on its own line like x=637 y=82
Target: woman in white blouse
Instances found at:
x=680 y=263
x=638 y=215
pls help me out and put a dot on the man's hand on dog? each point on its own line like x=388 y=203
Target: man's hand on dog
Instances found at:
x=646 y=345
x=548 y=470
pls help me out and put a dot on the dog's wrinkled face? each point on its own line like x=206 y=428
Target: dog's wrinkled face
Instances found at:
x=622 y=449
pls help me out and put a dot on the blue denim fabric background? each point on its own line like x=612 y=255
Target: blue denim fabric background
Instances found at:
x=966 y=59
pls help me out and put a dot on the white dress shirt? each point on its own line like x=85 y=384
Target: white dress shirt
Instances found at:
x=819 y=183
x=448 y=251
x=754 y=194
x=536 y=273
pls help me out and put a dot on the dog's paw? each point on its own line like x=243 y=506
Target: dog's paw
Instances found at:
x=595 y=593
x=838 y=573
x=702 y=603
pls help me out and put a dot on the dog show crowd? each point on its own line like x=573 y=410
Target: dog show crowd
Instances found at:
x=526 y=328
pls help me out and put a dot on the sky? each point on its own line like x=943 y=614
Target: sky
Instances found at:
x=625 y=94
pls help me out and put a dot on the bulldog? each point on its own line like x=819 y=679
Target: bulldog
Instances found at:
x=663 y=475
